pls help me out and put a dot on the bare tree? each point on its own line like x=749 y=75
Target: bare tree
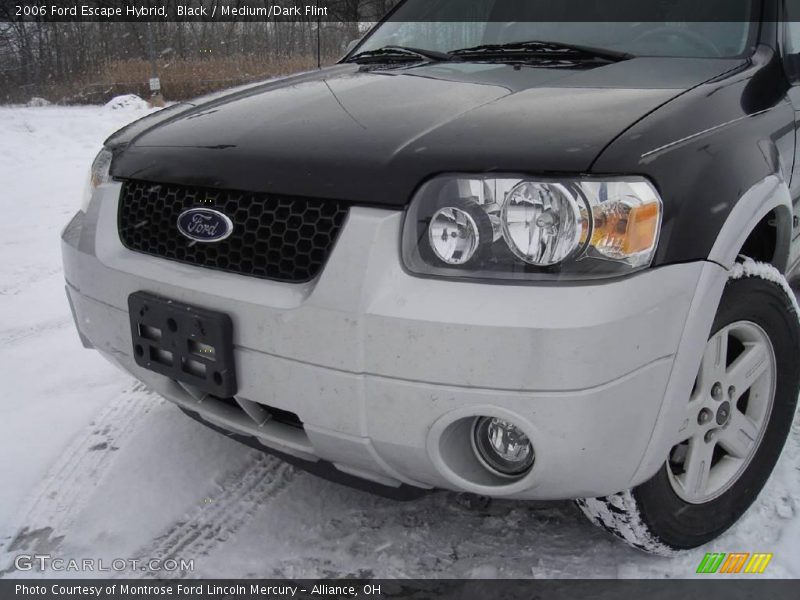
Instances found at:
x=74 y=61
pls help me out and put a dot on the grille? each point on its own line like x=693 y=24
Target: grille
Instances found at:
x=274 y=237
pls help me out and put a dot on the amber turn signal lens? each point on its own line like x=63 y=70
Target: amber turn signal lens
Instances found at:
x=642 y=228
x=622 y=230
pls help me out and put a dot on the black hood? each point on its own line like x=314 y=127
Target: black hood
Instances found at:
x=370 y=136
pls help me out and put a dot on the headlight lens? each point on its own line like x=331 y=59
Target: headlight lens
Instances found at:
x=520 y=228
x=453 y=235
x=98 y=175
x=542 y=223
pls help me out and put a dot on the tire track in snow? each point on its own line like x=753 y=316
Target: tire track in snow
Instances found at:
x=221 y=515
x=75 y=476
x=26 y=279
x=10 y=337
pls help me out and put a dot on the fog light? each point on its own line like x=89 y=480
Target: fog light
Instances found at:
x=453 y=235
x=502 y=447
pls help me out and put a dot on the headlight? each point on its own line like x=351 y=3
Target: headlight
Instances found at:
x=453 y=235
x=520 y=228
x=542 y=223
x=98 y=175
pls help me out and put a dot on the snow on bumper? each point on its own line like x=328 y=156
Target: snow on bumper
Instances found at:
x=387 y=370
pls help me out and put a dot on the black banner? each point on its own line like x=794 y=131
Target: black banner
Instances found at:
x=668 y=11
x=450 y=589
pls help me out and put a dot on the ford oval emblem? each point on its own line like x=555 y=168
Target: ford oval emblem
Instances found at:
x=204 y=225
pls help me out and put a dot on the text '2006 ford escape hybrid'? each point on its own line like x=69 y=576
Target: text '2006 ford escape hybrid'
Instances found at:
x=521 y=259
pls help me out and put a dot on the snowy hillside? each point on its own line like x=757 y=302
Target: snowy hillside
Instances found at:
x=95 y=466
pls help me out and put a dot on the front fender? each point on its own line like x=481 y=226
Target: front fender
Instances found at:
x=719 y=155
x=771 y=194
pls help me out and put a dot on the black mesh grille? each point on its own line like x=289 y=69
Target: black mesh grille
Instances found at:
x=275 y=237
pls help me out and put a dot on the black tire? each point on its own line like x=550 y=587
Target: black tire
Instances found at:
x=652 y=517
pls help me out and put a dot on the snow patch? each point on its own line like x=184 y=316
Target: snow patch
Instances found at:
x=37 y=102
x=750 y=268
x=619 y=514
x=127 y=101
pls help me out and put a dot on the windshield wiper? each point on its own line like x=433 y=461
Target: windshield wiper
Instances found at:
x=399 y=54
x=536 y=49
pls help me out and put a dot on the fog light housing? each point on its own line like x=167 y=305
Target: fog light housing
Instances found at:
x=502 y=447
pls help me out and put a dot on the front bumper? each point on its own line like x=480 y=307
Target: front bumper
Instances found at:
x=387 y=371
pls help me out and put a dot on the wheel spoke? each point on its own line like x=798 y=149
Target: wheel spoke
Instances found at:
x=713 y=366
x=697 y=466
x=689 y=424
x=747 y=368
x=739 y=437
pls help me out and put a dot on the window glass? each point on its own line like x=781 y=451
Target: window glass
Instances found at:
x=447 y=25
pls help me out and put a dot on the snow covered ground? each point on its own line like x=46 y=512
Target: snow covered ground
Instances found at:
x=94 y=466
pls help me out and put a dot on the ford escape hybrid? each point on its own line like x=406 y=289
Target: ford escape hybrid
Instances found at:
x=512 y=258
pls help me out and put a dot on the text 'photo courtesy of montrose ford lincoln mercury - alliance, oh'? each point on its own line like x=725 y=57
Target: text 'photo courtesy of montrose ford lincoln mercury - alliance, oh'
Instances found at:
x=513 y=258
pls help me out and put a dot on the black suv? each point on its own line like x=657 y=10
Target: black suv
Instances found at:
x=493 y=254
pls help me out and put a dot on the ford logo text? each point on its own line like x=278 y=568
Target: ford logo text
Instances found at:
x=204 y=225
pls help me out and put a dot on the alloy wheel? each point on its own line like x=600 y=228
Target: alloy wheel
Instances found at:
x=727 y=413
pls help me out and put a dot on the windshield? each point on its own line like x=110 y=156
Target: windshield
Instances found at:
x=449 y=25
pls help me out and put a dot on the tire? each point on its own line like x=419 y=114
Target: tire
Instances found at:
x=673 y=511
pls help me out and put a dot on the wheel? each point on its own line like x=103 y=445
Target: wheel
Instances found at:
x=737 y=421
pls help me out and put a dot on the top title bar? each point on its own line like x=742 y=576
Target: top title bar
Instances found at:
x=165 y=10
x=667 y=11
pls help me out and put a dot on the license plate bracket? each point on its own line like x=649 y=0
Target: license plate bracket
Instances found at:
x=189 y=344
